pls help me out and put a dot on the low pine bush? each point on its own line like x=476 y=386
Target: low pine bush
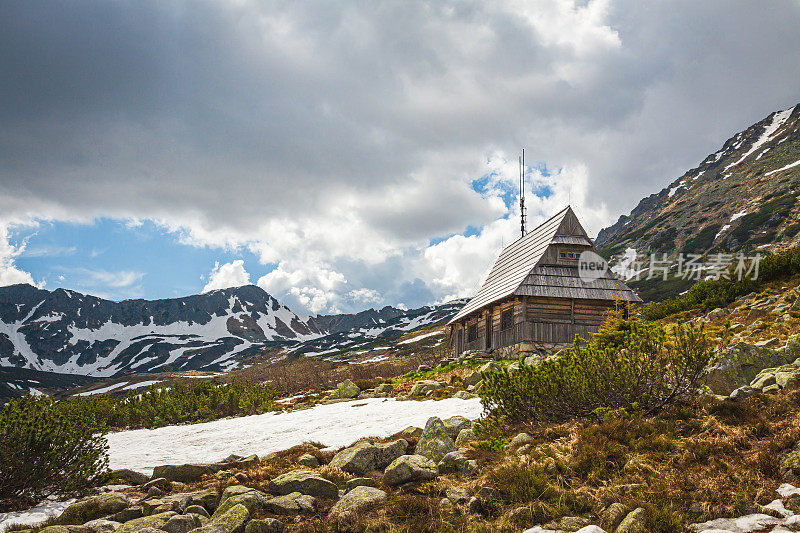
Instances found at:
x=45 y=450
x=640 y=368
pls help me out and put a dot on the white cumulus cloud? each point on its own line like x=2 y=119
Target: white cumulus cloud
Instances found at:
x=227 y=275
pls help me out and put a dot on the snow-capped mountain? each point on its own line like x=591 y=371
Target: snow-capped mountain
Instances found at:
x=742 y=196
x=72 y=333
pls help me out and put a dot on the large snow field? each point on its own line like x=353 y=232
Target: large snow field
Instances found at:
x=334 y=425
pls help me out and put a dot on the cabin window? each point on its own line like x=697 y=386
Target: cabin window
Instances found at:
x=568 y=255
x=472 y=332
x=507 y=319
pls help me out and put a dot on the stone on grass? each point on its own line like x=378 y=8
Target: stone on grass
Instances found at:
x=634 y=522
x=294 y=503
x=410 y=468
x=64 y=529
x=127 y=476
x=455 y=424
x=232 y=521
x=304 y=482
x=252 y=500
x=738 y=364
x=188 y=473
x=101 y=525
x=491 y=366
x=308 y=460
x=154 y=521
x=568 y=523
x=464 y=395
x=521 y=439
x=182 y=523
x=465 y=436
x=435 y=441
x=456 y=462
x=131 y=513
x=94 y=507
x=425 y=387
x=365 y=457
x=198 y=510
x=356 y=500
x=359 y=482
x=411 y=432
x=613 y=515
x=345 y=390
x=267 y=525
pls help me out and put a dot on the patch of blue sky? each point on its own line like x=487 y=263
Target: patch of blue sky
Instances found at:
x=118 y=260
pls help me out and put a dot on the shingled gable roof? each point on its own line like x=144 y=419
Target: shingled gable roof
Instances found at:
x=520 y=259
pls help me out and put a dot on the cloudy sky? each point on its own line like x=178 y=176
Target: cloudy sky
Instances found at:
x=345 y=155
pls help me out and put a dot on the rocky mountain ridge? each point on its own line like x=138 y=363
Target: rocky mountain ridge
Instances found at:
x=742 y=197
x=68 y=332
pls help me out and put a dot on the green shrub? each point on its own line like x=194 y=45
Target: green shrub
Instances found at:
x=645 y=370
x=46 y=450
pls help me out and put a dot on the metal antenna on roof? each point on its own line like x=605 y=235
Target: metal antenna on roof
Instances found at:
x=522 y=192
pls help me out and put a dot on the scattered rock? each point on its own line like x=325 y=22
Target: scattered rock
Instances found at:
x=411 y=432
x=64 y=529
x=294 y=503
x=232 y=520
x=102 y=525
x=742 y=393
x=424 y=387
x=345 y=390
x=162 y=484
x=465 y=436
x=304 y=482
x=613 y=515
x=769 y=343
x=457 y=495
x=252 y=500
x=131 y=513
x=568 y=523
x=435 y=441
x=154 y=521
x=456 y=462
x=188 y=473
x=182 y=523
x=359 y=482
x=521 y=439
x=455 y=424
x=198 y=510
x=738 y=364
x=308 y=460
x=491 y=366
x=94 y=507
x=365 y=457
x=410 y=468
x=635 y=522
x=464 y=395
x=127 y=476
x=356 y=500
x=267 y=525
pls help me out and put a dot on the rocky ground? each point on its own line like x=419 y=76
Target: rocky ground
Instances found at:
x=729 y=464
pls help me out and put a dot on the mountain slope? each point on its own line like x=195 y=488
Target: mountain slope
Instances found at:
x=742 y=197
x=67 y=332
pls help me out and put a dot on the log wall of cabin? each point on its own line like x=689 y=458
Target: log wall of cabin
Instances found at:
x=548 y=320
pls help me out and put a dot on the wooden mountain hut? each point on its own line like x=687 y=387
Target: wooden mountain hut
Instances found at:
x=534 y=294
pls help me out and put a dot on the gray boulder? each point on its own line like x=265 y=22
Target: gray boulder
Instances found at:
x=455 y=424
x=127 y=476
x=182 y=523
x=465 y=436
x=425 y=387
x=346 y=390
x=188 y=473
x=252 y=500
x=365 y=457
x=231 y=521
x=308 y=460
x=738 y=364
x=410 y=468
x=293 y=503
x=635 y=522
x=435 y=441
x=356 y=500
x=456 y=462
x=154 y=521
x=358 y=482
x=93 y=507
x=473 y=378
x=304 y=482
x=101 y=525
